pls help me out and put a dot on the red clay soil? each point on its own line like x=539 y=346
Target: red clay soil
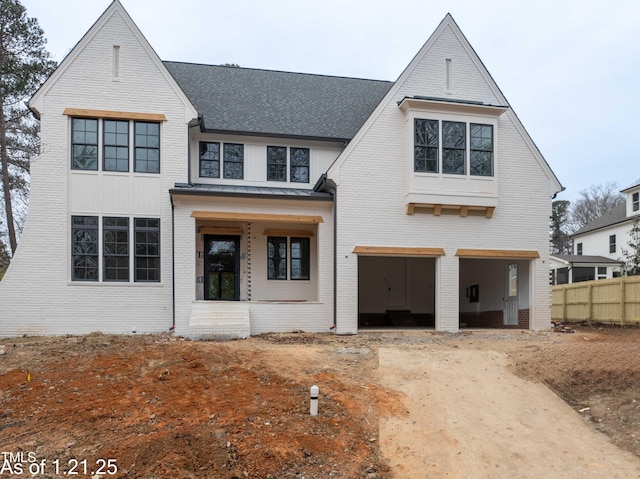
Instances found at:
x=158 y=406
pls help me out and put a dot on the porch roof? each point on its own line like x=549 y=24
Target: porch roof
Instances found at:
x=248 y=191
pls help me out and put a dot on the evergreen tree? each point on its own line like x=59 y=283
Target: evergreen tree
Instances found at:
x=24 y=65
x=560 y=236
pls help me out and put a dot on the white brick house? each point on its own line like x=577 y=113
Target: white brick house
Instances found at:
x=230 y=201
x=607 y=237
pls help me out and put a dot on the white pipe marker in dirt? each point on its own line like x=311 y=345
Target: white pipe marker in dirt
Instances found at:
x=314 y=400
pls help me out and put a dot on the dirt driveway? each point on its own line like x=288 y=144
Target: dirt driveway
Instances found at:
x=468 y=416
x=394 y=405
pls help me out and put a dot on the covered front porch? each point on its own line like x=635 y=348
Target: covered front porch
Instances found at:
x=247 y=267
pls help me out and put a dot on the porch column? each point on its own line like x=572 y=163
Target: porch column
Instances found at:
x=447 y=293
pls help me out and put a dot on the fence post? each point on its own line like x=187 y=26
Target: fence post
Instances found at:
x=623 y=301
x=589 y=304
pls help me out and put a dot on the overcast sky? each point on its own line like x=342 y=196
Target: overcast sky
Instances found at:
x=569 y=68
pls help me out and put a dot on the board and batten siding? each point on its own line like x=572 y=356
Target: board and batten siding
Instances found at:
x=321 y=156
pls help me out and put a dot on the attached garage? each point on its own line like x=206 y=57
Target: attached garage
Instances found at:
x=396 y=287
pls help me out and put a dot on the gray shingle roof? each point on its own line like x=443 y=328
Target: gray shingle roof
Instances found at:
x=615 y=216
x=578 y=258
x=274 y=103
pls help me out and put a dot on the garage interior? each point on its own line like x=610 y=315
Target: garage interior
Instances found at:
x=399 y=293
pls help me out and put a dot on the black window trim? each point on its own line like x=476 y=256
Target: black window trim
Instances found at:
x=305 y=260
x=440 y=147
x=95 y=255
x=272 y=259
x=201 y=160
x=146 y=229
x=271 y=163
x=73 y=143
x=105 y=145
x=105 y=254
x=225 y=161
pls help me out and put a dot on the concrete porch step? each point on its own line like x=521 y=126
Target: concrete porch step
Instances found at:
x=219 y=320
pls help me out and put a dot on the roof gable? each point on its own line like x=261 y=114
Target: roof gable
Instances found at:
x=426 y=74
x=275 y=103
x=115 y=10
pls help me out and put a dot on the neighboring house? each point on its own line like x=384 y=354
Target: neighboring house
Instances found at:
x=609 y=234
x=566 y=269
x=221 y=201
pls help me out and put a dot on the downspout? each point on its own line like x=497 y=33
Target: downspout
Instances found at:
x=173 y=265
x=330 y=186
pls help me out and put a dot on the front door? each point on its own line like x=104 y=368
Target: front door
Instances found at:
x=511 y=307
x=222 y=267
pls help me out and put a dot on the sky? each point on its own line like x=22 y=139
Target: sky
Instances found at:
x=569 y=68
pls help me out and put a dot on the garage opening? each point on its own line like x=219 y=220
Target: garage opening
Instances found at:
x=396 y=292
x=494 y=293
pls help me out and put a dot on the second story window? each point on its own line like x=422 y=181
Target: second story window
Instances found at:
x=481 y=161
x=299 y=165
x=426 y=138
x=579 y=249
x=635 y=202
x=116 y=145
x=276 y=163
x=84 y=144
x=104 y=145
x=147 y=147
x=233 y=161
x=298 y=161
x=209 y=159
x=612 y=244
x=447 y=140
x=454 y=147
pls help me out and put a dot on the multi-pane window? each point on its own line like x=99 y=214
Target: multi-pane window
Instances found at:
x=454 y=147
x=115 y=248
x=298 y=164
x=299 y=258
x=209 y=159
x=276 y=163
x=147 y=249
x=426 y=141
x=106 y=143
x=84 y=248
x=435 y=139
x=299 y=171
x=277 y=257
x=147 y=147
x=579 y=248
x=612 y=243
x=635 y=201
x=233 y=161
x=84 y=144
x=481 y=162
x=116 y=145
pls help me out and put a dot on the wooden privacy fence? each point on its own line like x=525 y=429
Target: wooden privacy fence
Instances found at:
x=609 y=301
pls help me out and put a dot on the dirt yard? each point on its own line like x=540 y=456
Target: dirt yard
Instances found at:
x=158 y=406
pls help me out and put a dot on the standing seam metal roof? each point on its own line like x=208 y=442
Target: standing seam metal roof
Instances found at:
x=275 y=103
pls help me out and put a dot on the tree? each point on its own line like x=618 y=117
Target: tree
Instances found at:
x=560 y=234
x=631 y=256
x=595 y=201
x=24 y=65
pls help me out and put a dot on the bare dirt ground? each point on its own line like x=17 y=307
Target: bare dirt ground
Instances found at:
x=158 y=406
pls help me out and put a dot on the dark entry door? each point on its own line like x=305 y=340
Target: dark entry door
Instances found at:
x=222 y=267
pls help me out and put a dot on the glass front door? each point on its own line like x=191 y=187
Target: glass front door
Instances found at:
x=222 y=267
